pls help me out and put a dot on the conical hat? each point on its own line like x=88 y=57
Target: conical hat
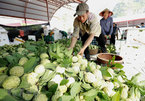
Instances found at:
x=101 y=13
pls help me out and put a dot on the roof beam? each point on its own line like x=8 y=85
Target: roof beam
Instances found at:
x=25 y=8
x=47 y=10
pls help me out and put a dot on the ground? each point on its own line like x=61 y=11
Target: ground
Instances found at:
x=133 y=52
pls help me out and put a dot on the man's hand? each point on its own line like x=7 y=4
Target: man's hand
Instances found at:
x=109 y=36
x=81 y=52
x=69 y=48
x=105 y=36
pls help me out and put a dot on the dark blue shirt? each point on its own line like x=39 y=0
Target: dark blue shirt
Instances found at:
x=114 y=30
x=106 y=26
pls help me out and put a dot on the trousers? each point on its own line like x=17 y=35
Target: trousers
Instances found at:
x=101 y=43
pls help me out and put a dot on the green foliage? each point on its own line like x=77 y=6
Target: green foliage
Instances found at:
x=30 y=64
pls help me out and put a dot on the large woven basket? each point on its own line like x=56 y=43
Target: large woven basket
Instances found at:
x=93 y=51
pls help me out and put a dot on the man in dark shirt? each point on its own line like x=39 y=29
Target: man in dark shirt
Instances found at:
x=64 y=34
x=49 y=38
x=112 y=40
x=106 y=23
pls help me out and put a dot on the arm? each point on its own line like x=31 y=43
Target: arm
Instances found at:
x=102 y=29
x=75 y=34
x=73 y=42
x=88 y=41
x=111 y=27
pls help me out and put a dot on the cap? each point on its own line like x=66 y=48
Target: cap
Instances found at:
x=81 y=9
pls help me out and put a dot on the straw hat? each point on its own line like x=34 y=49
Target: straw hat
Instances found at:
x=110 y=12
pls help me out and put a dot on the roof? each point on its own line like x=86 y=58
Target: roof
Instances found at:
x=42 y=10
x=130 y=21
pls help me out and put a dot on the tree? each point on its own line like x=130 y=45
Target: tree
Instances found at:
x=119 y=10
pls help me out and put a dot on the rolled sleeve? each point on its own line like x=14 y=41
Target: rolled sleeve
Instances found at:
x=76 y=29
x=95 y=28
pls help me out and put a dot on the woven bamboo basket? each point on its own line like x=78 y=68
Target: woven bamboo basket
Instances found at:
x=93 y=51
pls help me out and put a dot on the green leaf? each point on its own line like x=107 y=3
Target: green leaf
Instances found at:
x=136 y=78
x=103 y=96
x=77 y=98
x=105 y=72
x=53 y=88
x=121 y=72
x=42 y=50
x=17 y=55
x=92 y=92
x=65 y=98
x=90 y=98
x=118 y=65
x=53 y=55
x=3 y=62
x=12 y=60
x=50 y=66
x=64 y=82
x=90 y=95
x=109 y=63
x=68 y=52
x=66 y=62
x=29 y=65
x=4 y=96
x=116 y=97
x=142 y=91
x=24 y=83
x=46 y=77
x=113 y=59
x=3 y=70
x=16 y=92
x=70 y=72
x=81 y=75
x=115 y=79
x=30 y=47
x=49 y=95
x=86 y=86
x=58 y=51
x=75 y=89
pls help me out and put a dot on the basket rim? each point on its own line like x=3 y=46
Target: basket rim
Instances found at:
x=109 y=54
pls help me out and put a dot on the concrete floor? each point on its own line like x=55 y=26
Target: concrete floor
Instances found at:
x=133 y=57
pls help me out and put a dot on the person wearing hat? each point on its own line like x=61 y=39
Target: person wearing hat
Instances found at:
x=106 y=23
x=64 y=34
x=49 y=38
x=86 y=23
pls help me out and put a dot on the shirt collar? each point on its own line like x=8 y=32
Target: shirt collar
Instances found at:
x=86 y=22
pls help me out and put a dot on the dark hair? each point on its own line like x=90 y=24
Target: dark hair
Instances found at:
x=87 y=11
x=142 y=23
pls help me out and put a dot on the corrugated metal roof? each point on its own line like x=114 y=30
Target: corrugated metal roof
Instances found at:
x=41 y=10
